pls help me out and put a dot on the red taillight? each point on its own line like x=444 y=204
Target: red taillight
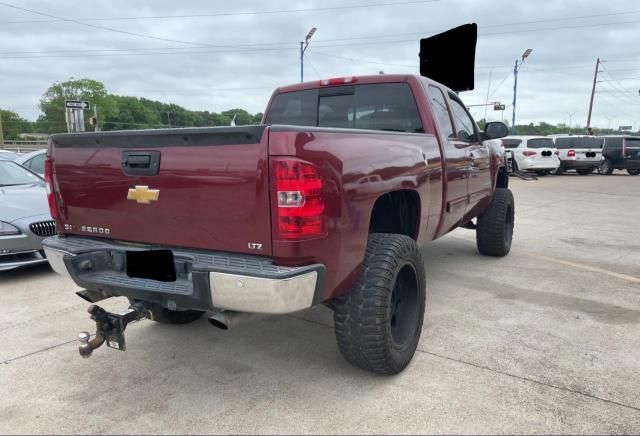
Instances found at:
x=338 y=81
x=529 y=153
x=48 y=180
x=299 y=199
x=571 y=153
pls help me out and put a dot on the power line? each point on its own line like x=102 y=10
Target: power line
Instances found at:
x=224 y=14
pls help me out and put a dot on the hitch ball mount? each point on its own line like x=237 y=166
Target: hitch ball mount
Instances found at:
x=109 y=328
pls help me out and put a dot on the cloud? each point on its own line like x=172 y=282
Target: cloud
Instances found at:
x=554 y=81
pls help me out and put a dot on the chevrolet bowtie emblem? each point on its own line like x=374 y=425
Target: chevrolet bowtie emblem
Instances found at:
x=143 y=195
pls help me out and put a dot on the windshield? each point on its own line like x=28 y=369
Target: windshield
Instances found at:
x=12 y=174
x=540 y=143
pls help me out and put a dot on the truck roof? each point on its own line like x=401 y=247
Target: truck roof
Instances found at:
x=358 y=80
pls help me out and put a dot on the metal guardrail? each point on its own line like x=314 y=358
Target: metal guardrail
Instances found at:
x=23 y=146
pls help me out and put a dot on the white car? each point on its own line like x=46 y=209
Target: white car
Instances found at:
x=532 y=153
x=579 y=152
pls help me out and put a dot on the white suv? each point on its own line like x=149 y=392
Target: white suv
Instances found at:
x=532 y=153
x=580 y=152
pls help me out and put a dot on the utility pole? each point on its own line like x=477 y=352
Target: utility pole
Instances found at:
x=95 y=118
x=516 y=68
x=593 y=91
x=169 y=118
x=487 y=99
x=1 y=134
x=571 y=114
x=303 y=47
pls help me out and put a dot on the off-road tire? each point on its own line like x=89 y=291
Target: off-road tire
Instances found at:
x=606 y=167
x=584 y=172
x=494 y=231
x=374 y=330
x=166 y=316
x=633 y=171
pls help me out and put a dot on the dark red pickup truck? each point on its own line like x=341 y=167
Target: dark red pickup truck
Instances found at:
x=326 y=202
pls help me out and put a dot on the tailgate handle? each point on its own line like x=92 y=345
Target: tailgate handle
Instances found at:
x=140 y=163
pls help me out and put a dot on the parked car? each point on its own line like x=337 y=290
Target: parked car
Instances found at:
x=532 y=153
x=9 y=155
x=621 y=153
x=581 y=153
x=33 y=161
x=24 y=217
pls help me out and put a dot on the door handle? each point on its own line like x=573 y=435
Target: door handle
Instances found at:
x=140 y=163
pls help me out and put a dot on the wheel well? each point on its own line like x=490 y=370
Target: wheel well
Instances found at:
x=396 y=212
x=502 y=180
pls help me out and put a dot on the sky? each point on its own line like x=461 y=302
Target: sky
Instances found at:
x=214 y=55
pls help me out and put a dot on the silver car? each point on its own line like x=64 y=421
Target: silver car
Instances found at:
x=24 y=217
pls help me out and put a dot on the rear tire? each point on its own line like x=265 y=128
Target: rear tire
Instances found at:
x=559 y=171
x=585 y=171
x=606 y=167
x=542 y=173
x=494 y=231
x=378 y=324
x=633 y=171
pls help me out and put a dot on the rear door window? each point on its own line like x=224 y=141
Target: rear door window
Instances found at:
x=587 y=142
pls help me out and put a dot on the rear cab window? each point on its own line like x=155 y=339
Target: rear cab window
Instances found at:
x=385 y=106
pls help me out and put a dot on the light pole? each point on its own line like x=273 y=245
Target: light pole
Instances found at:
x=303 y=47
x=516 y=68
x=609 y=124
x=571 y=114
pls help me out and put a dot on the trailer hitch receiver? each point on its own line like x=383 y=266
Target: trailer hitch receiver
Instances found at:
x=110 y=328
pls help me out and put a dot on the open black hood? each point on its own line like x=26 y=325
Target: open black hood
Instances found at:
x=449 y=57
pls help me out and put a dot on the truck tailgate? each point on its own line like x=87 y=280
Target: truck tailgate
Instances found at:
x=211 y=189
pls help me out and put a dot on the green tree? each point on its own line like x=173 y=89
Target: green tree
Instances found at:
x=13 y=125
x=52 y=102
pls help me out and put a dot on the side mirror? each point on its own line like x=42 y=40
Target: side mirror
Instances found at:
x=495 y=130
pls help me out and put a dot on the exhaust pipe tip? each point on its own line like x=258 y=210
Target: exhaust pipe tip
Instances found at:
x=227 y=319
x=218 y=323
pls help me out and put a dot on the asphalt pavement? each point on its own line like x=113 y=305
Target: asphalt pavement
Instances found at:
x=546 y=340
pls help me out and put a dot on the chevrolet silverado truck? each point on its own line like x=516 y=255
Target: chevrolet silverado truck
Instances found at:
x=326 y=202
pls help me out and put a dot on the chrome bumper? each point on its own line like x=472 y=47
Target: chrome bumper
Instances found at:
x=218 y=281
x=262 y=295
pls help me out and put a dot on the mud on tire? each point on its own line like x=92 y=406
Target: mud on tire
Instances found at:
x=378 y=324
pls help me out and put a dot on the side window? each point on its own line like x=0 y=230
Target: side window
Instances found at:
x=440 y=111
x=464 y=122
x=37 y=164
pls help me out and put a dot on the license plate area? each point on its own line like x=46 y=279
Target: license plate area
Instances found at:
x=151 y=264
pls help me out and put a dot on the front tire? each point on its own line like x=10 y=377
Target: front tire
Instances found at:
x=633 y=171
x=378 y=324
x=494 y=231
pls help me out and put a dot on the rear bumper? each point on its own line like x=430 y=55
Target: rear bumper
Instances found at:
x=205 y=280
x=579 y=164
